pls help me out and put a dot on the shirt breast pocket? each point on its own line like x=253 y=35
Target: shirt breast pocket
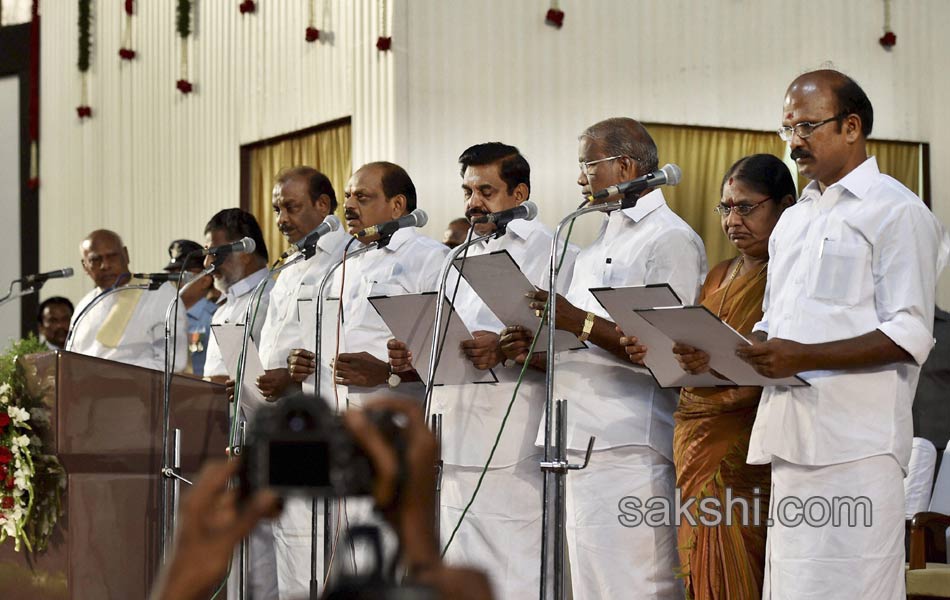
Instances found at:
x=839 y=276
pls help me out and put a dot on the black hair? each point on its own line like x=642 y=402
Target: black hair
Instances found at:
x=512 y=166
x=238 y=224
x=318 y=183
x=765 y=174
x=51 y=301
x=853 y=101
x=396 y=181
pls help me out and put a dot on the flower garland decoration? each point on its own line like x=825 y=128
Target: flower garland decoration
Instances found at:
x=313 y=34
x=555 y=16
x=183 y=27
x=85 y=17
x=248 y=6
x=125 y=51
x=888 y=40
x=384 y=42
x=31 y=482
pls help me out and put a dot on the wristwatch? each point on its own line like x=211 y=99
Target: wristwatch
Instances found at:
x=588 y=327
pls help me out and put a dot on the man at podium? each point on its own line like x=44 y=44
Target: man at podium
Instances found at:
x=128 y=324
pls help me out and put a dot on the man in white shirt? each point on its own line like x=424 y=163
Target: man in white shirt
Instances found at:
x=303 y=197
x=128 y=325
x=236 y=276
x=849 y=304
x=501 y=532
x=618 y=402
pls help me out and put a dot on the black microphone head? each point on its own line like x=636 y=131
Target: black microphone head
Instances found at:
x=420 y=217
x=673 y=173
x=532 y=209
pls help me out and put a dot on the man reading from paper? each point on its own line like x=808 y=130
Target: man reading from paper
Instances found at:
x=128 y=325
x=849 y=303
x=611 y=555
x=502 y=530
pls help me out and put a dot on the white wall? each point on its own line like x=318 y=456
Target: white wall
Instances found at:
x=155 y=165
x=492 y=70
x=9 y=204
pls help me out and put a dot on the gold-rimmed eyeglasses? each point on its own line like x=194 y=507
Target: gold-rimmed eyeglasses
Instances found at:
x=743 y=209
x=804 y=130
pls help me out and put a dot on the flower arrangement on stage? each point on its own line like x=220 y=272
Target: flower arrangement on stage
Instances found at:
x=31 y=481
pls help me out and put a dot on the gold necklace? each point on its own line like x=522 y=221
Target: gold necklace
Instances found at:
x=735 y=273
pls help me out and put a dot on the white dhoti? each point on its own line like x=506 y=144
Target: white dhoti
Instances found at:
x=809 y=558
x=261 y=566
x=292 y=547
x=609 y=559
x=501 y=533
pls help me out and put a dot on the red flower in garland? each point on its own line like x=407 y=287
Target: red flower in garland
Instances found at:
x=7 y=502
x=3 y=472
x=888 y=40
x=184 y=86
x=313 y=34
x=5 y=455
x=10 y=482
x=248 y=6
x=84 y=112
x=4 y=420
x=126 y=53
x=554 y=17
x=384 y=43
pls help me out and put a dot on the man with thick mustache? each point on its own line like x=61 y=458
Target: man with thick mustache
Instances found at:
x=501 y=532
x=849 y=305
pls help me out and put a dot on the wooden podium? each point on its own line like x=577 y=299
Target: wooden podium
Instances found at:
x=107 y=432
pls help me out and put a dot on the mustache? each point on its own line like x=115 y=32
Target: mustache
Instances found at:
x=349 y=216
x=800 y=153
x=474 y=213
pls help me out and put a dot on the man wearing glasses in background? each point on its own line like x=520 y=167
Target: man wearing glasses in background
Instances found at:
x=610 y=398
x=849 y=305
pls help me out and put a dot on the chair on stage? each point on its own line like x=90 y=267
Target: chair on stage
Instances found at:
x=928 y=573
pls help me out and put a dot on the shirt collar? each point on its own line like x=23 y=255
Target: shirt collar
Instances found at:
x=858 y=181
x=330 y=242
x=246 y=285
x=523 y=229
x=645 y=205
x=401 y=237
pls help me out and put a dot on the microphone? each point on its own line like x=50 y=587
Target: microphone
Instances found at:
x=331 y=223
x=243 y=245
x=526 y=210
x=417 y=218
x=41 y=277
x=162 y=277
x=668 y=175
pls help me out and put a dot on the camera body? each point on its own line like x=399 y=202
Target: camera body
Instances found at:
x=300 y=447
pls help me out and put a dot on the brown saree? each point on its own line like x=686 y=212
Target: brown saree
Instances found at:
x=710 y=444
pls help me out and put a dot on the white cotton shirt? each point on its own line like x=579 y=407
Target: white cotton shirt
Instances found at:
x=472 y=414
x=608 y=397
x=862 y=256
x=233 y=310
x=282 y=331
x=409 y=264
x=143 y=342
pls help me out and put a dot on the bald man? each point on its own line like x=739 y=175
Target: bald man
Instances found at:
x=849 y=306
x=128 y=325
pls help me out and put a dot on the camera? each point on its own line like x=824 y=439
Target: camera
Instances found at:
x=300 y=447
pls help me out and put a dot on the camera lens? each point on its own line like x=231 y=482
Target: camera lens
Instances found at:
x=299 y=420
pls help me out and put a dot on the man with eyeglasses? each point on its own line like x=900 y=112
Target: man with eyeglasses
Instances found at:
x=611 y=398
x=849 y=307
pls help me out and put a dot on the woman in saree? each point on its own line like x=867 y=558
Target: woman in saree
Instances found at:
x=712 y=425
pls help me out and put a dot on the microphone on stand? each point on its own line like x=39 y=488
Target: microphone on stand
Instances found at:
x=243 y=245
x=330 y=224
x=417 y=218
x=42 y=277
x=669 y=174
x=526 y=210
x=163 y=277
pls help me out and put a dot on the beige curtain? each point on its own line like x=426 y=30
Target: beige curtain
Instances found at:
x=327 y=149
x=704 y=154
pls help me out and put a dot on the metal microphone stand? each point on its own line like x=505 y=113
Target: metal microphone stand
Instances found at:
x=11 y=296
x=318 y=357
x=171 y=463
x=555 y=465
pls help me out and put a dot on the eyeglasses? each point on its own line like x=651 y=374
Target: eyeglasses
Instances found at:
x=742 y=210
x=585 y=166
x=804 y=130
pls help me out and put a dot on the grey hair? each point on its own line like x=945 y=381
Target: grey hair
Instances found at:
x=621 y=136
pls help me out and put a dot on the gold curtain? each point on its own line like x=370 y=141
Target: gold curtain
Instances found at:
x=328 y=150
x=704 y=154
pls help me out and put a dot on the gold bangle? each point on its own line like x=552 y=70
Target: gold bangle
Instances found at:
x=588 y=327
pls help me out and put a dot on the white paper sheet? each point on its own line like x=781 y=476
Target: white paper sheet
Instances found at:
x=502 y=286
x=698 y=327
x=410 y=318
x=620 y=303
x=230 y=338
x=307 y=317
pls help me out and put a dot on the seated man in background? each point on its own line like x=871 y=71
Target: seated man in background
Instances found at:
x=199 y=299
x=456 y=232
x=129 y=325
x=52 y=321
